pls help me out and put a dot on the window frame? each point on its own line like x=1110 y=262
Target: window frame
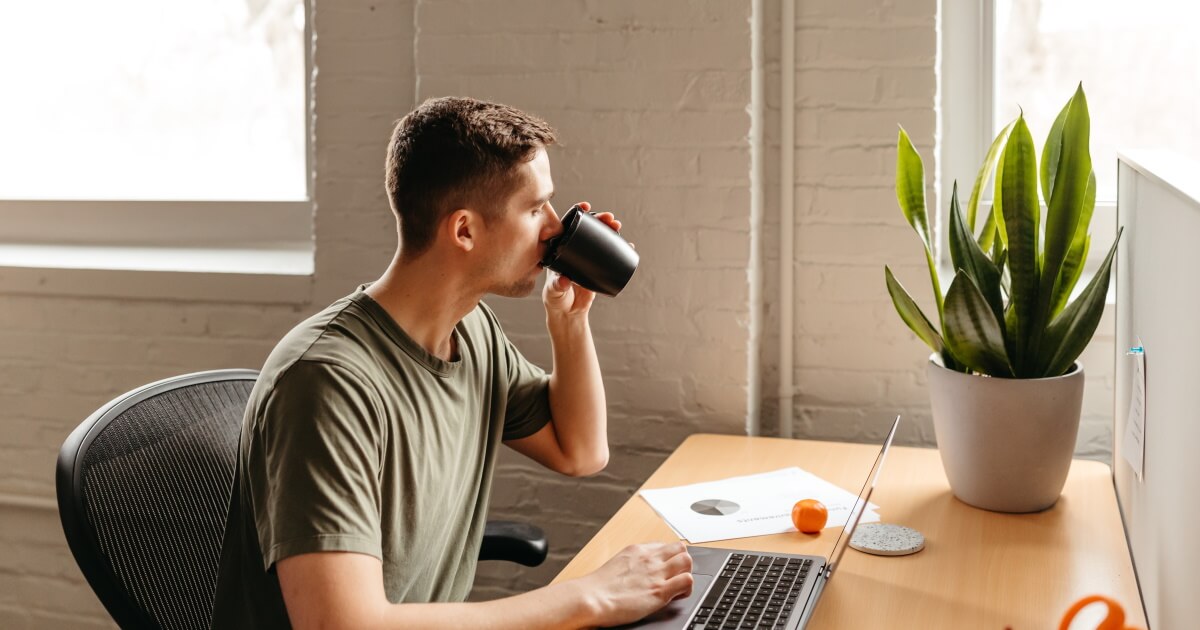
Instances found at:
x=257 y=251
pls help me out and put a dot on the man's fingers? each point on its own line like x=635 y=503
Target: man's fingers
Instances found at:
x=680 y=563
x=610 y=220
x=557 y=283
x=666 y=551
x=679 y=586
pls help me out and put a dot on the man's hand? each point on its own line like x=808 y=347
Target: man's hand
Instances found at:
x=563 y=297
x=638 y=581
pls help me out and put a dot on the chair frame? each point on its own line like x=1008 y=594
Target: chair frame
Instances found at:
x=69 y=484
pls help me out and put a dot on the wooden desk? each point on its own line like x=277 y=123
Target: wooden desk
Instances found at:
x=979 y=569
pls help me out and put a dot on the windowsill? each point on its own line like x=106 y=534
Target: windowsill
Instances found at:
x=269 y=274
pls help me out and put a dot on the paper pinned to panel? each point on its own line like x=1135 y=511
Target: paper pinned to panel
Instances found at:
x=751 y=505
x=1133 y=446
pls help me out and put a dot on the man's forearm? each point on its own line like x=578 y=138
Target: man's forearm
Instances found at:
x=337 y=590
x=558 y=606
x=577 y=400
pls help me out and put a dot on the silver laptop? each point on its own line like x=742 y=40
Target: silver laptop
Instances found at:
x=745 y=589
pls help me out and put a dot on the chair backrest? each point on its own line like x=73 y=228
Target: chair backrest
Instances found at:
x=143 y=489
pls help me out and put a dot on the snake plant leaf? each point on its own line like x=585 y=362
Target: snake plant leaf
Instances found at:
x=1064 y=208
x=966 y=255
x=1070 y=332
x=1072 y=270
x=1000 y=233
x=987 y=235
x=1073 y=264
x=973 y=334
x=1016 y=188
x=911 y=313
x=1052 y=151
x=1010 y=330
x=1001 y=256
x=989 y=163
x=910 y=193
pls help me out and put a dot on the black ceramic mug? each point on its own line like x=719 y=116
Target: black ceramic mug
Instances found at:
x=591 y=254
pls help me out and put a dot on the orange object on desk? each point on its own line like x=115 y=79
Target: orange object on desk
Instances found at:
x=1115 y=620
x=810 y=516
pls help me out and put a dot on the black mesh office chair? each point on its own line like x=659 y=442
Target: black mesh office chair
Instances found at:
x=143 y=488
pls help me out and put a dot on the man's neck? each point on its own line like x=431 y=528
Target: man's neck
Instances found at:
x=426 y=300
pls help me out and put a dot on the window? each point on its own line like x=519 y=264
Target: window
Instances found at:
x=139 y=116
x=1139 y=64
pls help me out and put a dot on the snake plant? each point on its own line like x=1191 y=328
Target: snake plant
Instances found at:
x=1007 y=311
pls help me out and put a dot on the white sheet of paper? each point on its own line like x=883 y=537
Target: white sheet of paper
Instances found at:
x=1133 y=447
x=764 y=505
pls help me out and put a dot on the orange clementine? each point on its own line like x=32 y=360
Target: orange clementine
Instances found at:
x=809 y=516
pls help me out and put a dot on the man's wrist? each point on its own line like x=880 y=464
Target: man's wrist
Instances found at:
x=566 y=323
x=586 y=610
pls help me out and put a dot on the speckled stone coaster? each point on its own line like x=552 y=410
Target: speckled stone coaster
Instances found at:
x=886 y=539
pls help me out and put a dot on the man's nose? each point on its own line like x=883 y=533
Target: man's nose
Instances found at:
x=554 y=225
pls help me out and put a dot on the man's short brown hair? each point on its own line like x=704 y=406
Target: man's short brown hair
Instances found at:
x=456 y=152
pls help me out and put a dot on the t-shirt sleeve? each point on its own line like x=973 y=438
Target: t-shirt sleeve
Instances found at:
x=315 y=465
x=528 y=408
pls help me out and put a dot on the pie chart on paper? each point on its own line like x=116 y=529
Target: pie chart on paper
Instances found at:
x=715 y=507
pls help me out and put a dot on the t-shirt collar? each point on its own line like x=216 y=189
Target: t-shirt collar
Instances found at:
x=434 y=364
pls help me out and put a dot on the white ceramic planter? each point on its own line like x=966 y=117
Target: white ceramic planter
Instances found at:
x=1006 y=444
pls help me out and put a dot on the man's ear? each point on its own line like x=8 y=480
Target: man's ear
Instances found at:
x=462 y=228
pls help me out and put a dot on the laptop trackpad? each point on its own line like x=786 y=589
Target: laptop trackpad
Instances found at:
x=676 y=614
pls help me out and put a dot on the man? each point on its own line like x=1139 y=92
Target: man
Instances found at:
x=367 y=452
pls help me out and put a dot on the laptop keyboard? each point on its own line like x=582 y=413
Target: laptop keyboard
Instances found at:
x=752 y=591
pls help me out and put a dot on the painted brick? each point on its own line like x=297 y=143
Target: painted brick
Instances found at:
x=908 y=85
x=723 y=246
x=54 y=619
x=860 y=245
x=838 y=11
x=890 y=46
x=826 y=386
x=831 y=202
x=873 y=124
x=836 y=86
x=15 y=618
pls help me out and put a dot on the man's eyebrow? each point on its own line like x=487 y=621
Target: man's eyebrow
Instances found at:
x=541 y=200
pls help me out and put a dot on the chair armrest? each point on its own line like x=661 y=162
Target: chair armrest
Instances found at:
x=515 y=542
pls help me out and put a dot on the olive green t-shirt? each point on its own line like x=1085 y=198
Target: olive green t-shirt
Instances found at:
x=357 y=439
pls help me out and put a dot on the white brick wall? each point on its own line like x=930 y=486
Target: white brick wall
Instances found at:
x=651 y=101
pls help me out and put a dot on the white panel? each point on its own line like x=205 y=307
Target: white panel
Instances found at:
x=1158 y=301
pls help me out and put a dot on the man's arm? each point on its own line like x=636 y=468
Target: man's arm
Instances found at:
x=335 y=590
x=575 y=442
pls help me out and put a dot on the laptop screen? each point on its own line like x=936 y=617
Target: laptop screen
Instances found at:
x=860 y=504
